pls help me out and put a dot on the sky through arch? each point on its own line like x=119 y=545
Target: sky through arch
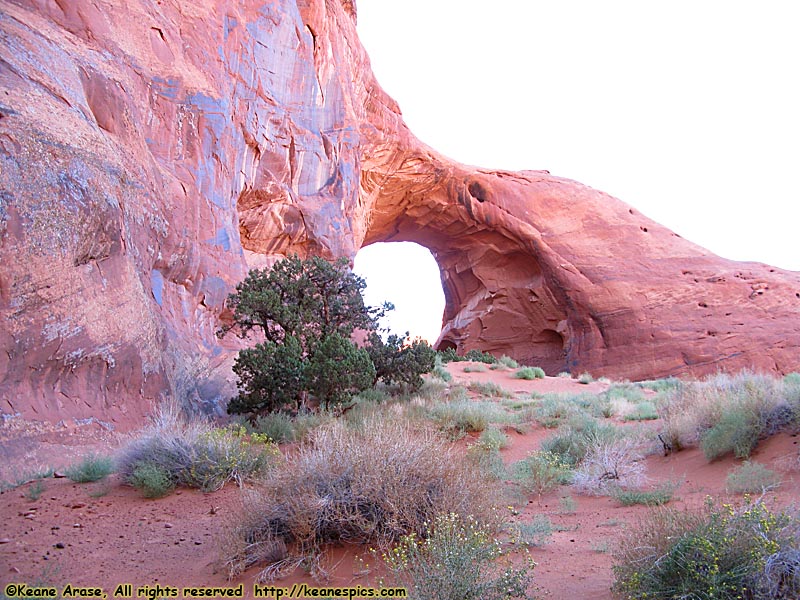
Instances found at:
x=405 y=274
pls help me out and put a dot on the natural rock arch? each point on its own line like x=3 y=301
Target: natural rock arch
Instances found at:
x=149 y=154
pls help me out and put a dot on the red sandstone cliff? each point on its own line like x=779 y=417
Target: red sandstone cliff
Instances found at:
x=150 y=150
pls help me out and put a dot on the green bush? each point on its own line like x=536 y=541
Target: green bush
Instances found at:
x=737 y=430
x=643 y=411
x=571 y=442
x=493 y=439
x=726 y=413
x=655 y=497
x=487 y=461
x=152 y=480
x=530 y=373
x=480 y=368
x=585 y=378
x=509 y=362
x=457 y=559
x=541 y=472
x=465 y=416
x=278 y=427
x=624 y=391
x=478 y=356
x=751 y=477
x=397 y=361
x=90 y=468
x=439 y=371
x=715 y=554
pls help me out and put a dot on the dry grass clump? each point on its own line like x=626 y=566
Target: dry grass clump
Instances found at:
x=610 y=464
x=370 y=485
x=727 y=413
x=173 y=452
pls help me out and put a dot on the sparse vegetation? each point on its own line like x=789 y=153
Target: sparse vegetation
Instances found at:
x=751 y=477
x=460 y=417
x=718 y=553
x=90 y=468
x=727 y=413
x=493 y=439
x=530 y=373
x=479 y=368
x=509 y=362
x=373 y=485
x=541 y=472
x=585 y=378
x=610 y=464
x=35 y=490
x=193 y=454
x=654 y=497
x=643 y=411
x=538 y=532
x=489 y=389
x=458 y=559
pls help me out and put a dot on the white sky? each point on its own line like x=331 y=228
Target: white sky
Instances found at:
x=687 y=110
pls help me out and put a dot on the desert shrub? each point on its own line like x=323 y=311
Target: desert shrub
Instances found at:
x=152 y=480
x=655 y=497
x=610 y=464
x=489 y=389
x=498 y=367
x=371 y=486
x=530 y=373
x=572 y=441
x=660 y=385
x=448 y=355
x=487 y=460
x=459 y=417
x=439 y=371
x=478 y=356
x=541 y=472
x=555 y=409
x=585 y=378
x=90 y=468
x=196 y=454
x=399 y=361
x=624 y=391
x=509 y=362
x=375 y=395
x=479 y=368
x=724 y=413
x=278 y=427
x=537 y=532
x=457 y=559
x=714 y=554
x=751 y=477
x=643 y=411
x=564 y=375
x=493 y=439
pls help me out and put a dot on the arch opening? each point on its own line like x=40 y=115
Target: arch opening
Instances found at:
x=407 y=275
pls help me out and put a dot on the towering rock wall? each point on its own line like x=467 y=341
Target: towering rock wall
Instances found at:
x=150 y=151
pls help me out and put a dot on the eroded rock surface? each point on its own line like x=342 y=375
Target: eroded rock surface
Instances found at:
x=151 y=150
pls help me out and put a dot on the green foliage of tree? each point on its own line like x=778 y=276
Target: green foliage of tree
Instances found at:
x=307 y=311
x=337 y=369
x=397 y=361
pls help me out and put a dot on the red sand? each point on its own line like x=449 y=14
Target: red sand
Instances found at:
x=105 y=534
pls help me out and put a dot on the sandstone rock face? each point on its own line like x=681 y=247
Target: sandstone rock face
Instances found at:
x=150 y=151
